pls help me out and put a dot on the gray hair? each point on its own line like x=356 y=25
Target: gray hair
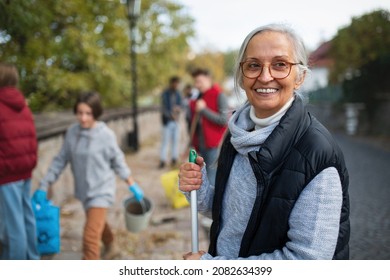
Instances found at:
x=299 y=51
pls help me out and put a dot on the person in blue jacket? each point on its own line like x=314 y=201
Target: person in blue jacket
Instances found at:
x=171 y=107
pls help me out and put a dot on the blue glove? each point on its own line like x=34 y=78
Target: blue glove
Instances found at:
x=137 y=191
x=39 y=196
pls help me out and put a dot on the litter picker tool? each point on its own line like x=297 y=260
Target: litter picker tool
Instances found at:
x=194 y=211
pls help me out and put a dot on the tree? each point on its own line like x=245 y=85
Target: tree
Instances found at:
x=164 y=30
x=230 y=60
x=213 y=61
x=365 y=40
x=361 y=52
x=66 y=47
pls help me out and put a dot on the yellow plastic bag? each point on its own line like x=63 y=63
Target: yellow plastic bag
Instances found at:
x=170 y=184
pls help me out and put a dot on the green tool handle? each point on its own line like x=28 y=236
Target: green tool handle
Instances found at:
x=192 y=156
x=194 y=211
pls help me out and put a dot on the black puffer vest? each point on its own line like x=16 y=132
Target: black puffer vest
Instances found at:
x=297 y=150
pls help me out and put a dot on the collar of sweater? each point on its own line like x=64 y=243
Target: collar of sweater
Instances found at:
x=275 y=118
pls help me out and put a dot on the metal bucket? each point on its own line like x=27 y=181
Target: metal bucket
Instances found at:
x=137 y=214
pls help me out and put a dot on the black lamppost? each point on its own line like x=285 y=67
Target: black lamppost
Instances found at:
x=133 y=12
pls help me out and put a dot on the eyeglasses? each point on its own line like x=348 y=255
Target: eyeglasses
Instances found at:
x=278 y=69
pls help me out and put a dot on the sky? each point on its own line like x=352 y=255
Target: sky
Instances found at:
x=223 y=24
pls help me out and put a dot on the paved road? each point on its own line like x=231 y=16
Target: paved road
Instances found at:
x=369 y=169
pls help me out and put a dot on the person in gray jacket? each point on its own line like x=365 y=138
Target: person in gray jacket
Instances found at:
x=92 y=150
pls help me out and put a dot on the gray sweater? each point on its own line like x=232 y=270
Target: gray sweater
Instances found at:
x=95 y=157
x=314 y=220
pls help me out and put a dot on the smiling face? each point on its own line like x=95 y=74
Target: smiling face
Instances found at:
x=85 y=116
x=203 y=83
x=266 y=94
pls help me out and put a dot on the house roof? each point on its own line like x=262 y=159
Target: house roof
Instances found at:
x=321 y=56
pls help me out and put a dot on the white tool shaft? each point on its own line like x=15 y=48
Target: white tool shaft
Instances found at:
x=194 y=222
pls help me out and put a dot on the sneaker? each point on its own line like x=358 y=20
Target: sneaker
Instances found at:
x=111 y=251
x=162 y=165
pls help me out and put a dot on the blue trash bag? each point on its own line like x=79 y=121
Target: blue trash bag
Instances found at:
x=47 y=217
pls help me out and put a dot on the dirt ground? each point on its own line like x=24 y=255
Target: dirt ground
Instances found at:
x=168 y=234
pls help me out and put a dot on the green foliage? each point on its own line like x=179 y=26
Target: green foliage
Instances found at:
x=164 y=30
x=213 y=61
x=365 y=40
x=219 y=64
x=230 y=60
x=361 y=52
x=65 y=47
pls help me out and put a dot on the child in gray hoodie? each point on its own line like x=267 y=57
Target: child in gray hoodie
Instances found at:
x=91 y=149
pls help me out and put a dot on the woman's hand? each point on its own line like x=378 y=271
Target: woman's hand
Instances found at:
x=193 y=256
x=190 y=175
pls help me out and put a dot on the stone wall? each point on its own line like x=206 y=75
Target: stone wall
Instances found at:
x=50 y=144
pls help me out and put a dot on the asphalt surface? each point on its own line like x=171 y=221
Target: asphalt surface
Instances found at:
x=369 y=170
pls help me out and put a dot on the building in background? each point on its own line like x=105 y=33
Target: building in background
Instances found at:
x=320 y=63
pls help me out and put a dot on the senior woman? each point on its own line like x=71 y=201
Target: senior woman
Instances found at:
x=282 y=185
